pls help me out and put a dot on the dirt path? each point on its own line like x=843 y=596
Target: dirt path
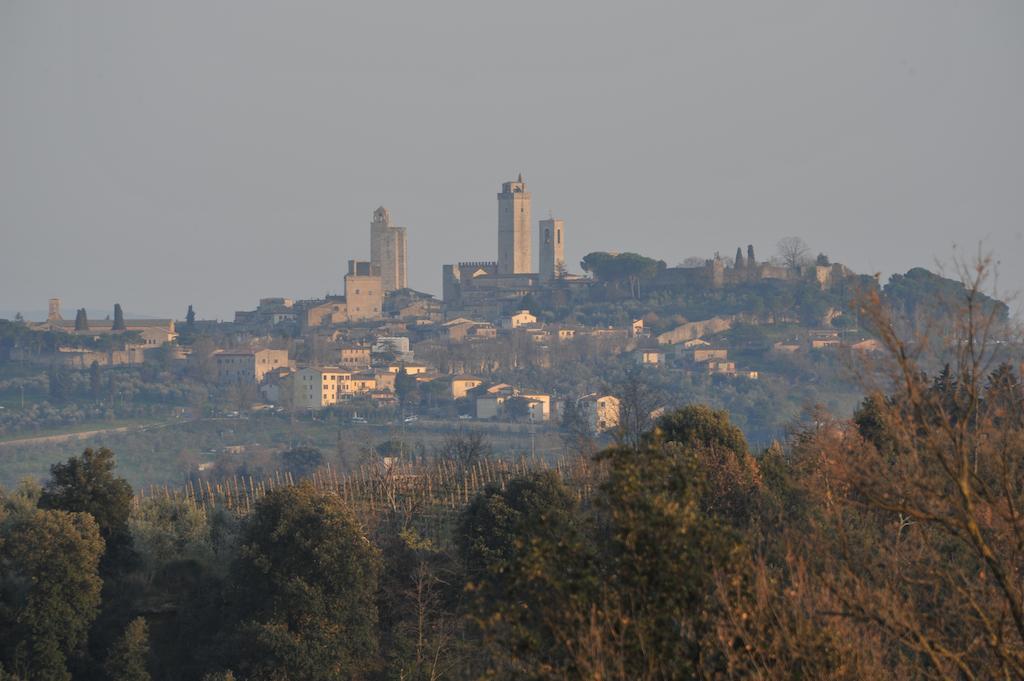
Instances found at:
x=63 y=437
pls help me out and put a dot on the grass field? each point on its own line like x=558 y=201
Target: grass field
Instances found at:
x=158 y=455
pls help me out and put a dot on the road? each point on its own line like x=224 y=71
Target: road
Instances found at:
x=64 y=437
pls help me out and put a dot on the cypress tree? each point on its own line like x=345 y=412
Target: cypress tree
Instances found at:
x=190 y=317
x=81 y=320
x=94 y=380
x=118 y=318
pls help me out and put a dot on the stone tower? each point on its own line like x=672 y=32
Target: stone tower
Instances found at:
x=364 y=291
x=388 y=251
x=552 y=247
x=53 y=315
x=515 y=251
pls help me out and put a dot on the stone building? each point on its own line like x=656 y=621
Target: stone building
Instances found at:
x=355 y=356
x=600 y=411
x=552 y=248
x=270 y=312
x=389 y=251
x=491 y=288
x=364 y=297
x=151 y=332
x=717 y=273
x=515 y=250
x=329 y=311
x=248 y=366
x=460 y=385
x=517 y=319
x=318 y=387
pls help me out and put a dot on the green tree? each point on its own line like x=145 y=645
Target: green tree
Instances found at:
x=304 y=586
x=81 y=320
x=87 y=484
x=419 y=590
x=95 y=384
x=118 y=324
x=49 y=587
x=920 y=293
x=530 y=574
x=190 y=317
x=59 y=380
x=700 y=426
x=622 y=267
x=127 y=660
x=495 y=522
x=662 y=551
x=517 y=408
x=302 y=462
x=406 y=388
x=529 y=302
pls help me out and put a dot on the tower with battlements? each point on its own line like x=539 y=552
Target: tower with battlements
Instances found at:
x=515 y=250
x=389 y=251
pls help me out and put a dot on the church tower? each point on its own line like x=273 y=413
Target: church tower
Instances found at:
x=552 y=248
x=388 y=251
x=515 y=250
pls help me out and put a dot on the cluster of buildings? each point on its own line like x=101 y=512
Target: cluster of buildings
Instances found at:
x=366 y=285
x=368 y=372
x=360 y=344
x=489 y=287
x=695 y=356
x=138 y=338
x=718 y=272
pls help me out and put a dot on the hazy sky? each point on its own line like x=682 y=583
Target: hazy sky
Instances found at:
x=214 y=152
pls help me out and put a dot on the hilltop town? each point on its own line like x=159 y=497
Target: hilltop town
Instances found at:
x=517 y=339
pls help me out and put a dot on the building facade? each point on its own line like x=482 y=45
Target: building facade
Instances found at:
x=552 y=248
x=248 y=366
x=363 y=295
x=316 y=387
x=389 y=251
x=515 y=251
x=601 y=412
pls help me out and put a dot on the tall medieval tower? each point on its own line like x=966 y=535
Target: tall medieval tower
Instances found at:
x=515 y=250
x=388 y=251
x=552 y=248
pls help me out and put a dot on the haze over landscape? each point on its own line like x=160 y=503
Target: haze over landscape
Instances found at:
x=646 y=341
x=215 y=153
